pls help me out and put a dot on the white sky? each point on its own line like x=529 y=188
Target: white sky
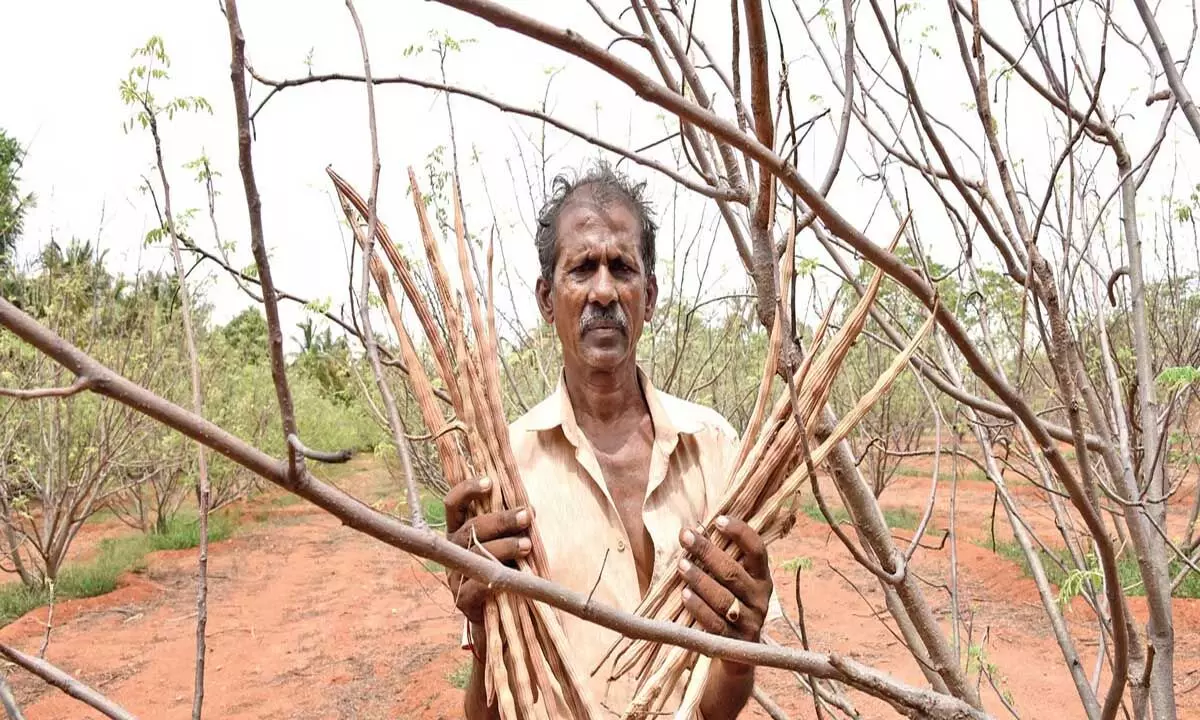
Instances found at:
x=65 y=58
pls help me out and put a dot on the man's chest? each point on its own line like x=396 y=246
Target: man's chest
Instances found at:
x=626 y=474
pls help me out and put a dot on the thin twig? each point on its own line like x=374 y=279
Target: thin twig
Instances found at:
x=803 y=632
x=768 y=704
x=78 y=386
x=416 y=516
x=599 y=575
x=717 y=193
x=333 y=457
x=49 y=618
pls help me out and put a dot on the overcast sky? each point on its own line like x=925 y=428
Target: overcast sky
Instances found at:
x=63 y=61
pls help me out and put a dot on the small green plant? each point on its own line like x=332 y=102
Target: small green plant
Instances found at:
x=183 y=533
x=460 y=676
x=902 y=518
x=801 y=563
x=434 y=567
x=977 y=660
x=838 y=514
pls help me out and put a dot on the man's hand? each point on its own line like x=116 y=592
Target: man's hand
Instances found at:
x=503 y=535
x=724 y=596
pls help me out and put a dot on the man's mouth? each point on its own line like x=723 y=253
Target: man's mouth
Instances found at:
x=604 y=326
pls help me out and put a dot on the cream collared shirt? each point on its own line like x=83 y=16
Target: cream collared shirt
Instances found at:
x=578 y=522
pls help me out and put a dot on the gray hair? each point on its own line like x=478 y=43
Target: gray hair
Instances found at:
x=605 y=185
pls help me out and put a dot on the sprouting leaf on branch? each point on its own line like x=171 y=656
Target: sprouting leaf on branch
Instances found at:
x=1073 y=584
x=135 y=89
x=320 y=306
x=446 y=42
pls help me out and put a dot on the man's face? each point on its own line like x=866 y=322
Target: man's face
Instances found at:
x=601 y=295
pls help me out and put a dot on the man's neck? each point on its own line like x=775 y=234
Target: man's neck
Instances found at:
x=604 y=397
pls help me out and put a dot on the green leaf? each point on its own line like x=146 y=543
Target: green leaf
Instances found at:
x=1177 y=378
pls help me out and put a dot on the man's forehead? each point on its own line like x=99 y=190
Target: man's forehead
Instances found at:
x=592 y=202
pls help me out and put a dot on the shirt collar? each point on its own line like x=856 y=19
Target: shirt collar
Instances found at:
x=669 y=422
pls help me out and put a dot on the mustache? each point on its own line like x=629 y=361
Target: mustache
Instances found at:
x=603 y=316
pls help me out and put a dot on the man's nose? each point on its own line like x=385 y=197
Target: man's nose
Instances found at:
x=603 y=291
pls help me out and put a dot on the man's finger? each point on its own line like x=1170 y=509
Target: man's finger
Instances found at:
x=710 y=591
x=705 y=616
x=720 y=566
x=482 y=528
x=754 y=552
x=458 y=501
x=505 y=549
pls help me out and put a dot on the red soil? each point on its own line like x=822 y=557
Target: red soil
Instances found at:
x=308 y=619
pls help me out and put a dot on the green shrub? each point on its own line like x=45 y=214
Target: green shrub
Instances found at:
x=902 y=518
x=115 y=556
x=16 y=600
x=99 y=576
x=183 y=533
x=460 y=676
x=1127 y=569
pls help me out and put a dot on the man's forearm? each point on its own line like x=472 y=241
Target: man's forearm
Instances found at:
x=728 y=688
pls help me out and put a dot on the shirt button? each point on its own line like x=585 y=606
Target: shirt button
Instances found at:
x=620 y=546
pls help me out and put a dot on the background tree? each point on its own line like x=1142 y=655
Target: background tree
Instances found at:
x=13 y=204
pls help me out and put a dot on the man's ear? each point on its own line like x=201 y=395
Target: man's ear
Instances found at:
x=545 y=299
x=651 y=296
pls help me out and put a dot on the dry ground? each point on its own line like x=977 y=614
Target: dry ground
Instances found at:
x=308 y=619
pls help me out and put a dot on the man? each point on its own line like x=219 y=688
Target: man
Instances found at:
x=618 y=474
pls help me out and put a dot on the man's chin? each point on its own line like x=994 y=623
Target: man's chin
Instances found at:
x=604 y=359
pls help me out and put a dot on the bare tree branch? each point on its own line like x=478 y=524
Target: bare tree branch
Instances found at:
x=66 y=683
x=283 y=393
